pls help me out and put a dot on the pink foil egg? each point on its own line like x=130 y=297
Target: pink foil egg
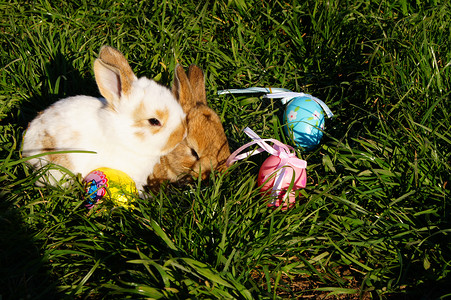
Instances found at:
x=268 y=179
x=276 y=173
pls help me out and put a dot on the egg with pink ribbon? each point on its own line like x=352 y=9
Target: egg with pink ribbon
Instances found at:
x=280 y=175
x=269 y=177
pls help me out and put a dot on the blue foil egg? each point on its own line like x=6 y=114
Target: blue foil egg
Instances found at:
x=304 y=121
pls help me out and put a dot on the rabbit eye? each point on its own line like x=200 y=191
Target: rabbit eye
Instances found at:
x=154 y=122
x=194 y=153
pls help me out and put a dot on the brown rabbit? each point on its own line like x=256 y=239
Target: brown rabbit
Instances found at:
x=205 y=147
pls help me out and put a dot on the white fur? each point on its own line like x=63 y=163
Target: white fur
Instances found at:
x=91 y=124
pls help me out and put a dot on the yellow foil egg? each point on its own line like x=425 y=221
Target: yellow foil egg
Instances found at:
x=116 y=185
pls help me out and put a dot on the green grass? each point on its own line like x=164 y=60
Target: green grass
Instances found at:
x=374 y=220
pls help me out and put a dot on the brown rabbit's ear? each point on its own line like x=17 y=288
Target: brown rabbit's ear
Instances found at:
x=113 y=74
x=197 y=81
x=181 y=89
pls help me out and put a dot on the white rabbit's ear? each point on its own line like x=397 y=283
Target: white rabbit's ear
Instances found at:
x=113 y=74
x=197 y=82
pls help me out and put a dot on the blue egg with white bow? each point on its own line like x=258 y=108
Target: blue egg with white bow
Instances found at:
x=304 y=121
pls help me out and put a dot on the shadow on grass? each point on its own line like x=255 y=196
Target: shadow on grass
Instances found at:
x=433 y=290
x=23 y=269
x=59 y=80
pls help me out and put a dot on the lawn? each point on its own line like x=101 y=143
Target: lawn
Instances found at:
x=374 y=220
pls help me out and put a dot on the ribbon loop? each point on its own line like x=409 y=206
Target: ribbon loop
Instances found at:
x=287 y=96
x=252 y=90
x=278 y=149
x=284 y=94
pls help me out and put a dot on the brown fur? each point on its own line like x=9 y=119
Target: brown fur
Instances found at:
x=205 y=134
x=176 y=136
x=141 y=120
x=162 y=116
x=138 y=115
x=49 y=145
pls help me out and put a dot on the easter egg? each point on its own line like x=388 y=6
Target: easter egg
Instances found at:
x=113 y=184
x=270 y=174
x=304 y=121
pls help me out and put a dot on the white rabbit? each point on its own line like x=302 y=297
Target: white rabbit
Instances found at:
x=138 y=121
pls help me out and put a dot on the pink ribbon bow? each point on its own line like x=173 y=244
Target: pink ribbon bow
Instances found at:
x=287 y=159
